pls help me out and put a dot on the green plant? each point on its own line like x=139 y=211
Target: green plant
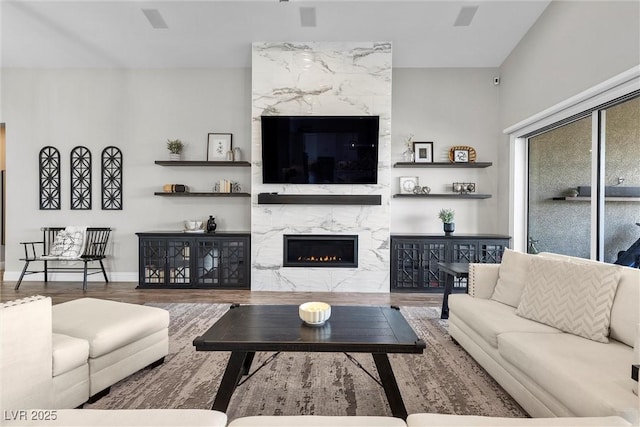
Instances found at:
x=175 y=146
x=446 y=215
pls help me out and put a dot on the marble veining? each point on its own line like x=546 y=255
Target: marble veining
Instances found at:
x=317 y=78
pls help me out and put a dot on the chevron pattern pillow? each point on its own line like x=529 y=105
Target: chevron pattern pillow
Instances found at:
x=575 y=298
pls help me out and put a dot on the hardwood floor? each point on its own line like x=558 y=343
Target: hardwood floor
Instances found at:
x=127 y=292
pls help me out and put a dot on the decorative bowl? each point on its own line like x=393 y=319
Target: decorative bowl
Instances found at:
x=192 y=224
x=314 y=313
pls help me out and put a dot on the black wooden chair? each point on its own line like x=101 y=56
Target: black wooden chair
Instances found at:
x=95 y=246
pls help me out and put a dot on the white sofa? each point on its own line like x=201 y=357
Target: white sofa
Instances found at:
x=62 y=356
x=556 y=332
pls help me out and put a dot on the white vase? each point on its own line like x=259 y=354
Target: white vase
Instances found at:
x=174 y=156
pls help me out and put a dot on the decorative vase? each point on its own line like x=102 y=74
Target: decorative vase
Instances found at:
x=449 y=227
x=237 y=154
x=174 y=156
x=408 y=155
x=211 y=224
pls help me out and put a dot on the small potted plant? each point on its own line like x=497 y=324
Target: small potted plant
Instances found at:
x=447 y=215
x=175 y=147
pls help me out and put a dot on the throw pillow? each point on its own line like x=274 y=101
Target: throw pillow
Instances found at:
x=67 y=245
x=575 y=298
x=512 y=275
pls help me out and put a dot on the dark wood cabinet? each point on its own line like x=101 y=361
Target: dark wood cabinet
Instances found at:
x=414 y=258
x=173 y=259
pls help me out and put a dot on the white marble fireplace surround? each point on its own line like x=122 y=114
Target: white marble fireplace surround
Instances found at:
x=324 y=79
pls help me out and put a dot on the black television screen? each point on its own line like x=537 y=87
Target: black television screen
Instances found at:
x=320 y=149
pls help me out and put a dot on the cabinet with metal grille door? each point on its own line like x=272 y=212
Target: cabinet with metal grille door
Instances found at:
x=169 y=259
x=414 y=258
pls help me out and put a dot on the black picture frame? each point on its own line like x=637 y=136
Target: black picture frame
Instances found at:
x=423 y=152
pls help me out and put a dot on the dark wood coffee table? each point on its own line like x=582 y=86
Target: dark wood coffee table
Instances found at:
x=244 y=330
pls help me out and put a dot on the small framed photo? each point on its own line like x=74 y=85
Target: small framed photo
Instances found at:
x=423 y=152
x=218 y=145
x=461 y=156
x=407 y=184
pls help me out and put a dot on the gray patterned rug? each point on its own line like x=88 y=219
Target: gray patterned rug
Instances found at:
x=444 y=379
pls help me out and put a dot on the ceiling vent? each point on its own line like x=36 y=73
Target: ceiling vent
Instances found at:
x=155 y=19
x=465 y=16
x=308 y=16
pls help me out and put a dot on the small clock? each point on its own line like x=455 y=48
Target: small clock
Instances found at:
x=407 y=184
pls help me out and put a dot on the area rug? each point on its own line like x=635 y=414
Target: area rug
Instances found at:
x=444 y=379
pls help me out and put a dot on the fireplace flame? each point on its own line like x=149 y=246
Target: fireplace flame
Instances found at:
x=325 y=258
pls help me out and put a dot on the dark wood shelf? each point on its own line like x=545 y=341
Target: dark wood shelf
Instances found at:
x=190 y=194
x=443 y=196
x=606 y=199
x=318 y=199
x=202 y=163
x=442 y=165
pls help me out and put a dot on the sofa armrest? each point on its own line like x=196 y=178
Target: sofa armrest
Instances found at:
x=26 y=354
x=482 y=280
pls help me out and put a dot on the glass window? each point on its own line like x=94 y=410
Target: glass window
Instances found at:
x=621 y=178
x=559 y=163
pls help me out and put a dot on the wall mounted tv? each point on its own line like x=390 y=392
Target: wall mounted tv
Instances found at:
x=320 y=149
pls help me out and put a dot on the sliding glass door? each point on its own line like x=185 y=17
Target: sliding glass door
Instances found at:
x=621 y=135
x=584 y=183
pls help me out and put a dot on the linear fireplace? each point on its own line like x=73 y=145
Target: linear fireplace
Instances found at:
x=320 y=250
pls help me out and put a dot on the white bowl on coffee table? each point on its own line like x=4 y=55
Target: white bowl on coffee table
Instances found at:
x=314 y=313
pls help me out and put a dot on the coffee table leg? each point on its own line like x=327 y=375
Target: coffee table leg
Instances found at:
x=390 y=385
x=232 y=374
x=448 y=288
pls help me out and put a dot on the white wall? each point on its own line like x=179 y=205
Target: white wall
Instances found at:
x=449 y=106
x=135 y=110
x=573 y=46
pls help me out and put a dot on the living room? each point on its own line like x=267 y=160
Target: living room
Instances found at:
x=64 y=102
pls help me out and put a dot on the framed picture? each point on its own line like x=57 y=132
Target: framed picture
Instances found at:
x=218 y=145
x=423 y=152
x=461 y=156
x=407 y=184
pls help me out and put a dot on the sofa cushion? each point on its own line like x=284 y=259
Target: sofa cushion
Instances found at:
x=316 y=421
x=107 y=325
x=442 y=420
x=588 y=377
x=68 y=353
x=575 y=298
x=625 y=310
x=124 y=417
x=489 y=318
x=512 y=276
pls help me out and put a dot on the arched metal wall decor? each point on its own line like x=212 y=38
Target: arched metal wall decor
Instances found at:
x=111 y=178
x=49 y=174
x=80 y=178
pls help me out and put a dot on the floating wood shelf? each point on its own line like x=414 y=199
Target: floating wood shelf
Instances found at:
x=189 y=194
x=202 y=163
x=443 y=196
x=442 y=165
x=318 y=199
x=606 y=199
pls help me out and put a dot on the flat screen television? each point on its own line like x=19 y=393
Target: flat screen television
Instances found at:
x=320 y=149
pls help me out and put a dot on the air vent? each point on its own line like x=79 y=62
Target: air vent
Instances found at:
x=155 y=19
x=465 y=16
x=308 y=16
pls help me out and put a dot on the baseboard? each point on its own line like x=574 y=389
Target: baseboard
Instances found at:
x=123 y=276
